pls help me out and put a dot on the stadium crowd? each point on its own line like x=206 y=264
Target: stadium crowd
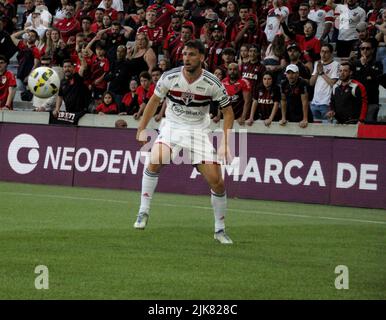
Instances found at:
x=279 y=60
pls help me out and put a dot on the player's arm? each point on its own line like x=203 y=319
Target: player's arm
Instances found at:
x=149 y=112
x=229 y=117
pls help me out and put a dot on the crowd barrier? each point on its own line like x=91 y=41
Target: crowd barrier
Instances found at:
x=308 y=169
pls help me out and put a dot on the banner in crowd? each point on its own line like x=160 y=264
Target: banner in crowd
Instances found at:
x=323 y=170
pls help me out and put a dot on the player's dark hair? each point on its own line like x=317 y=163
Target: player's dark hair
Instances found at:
x=196 y=44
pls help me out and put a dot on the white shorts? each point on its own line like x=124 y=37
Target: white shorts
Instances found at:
x=188 y=146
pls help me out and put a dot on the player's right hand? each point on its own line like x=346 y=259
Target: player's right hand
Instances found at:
x=141 y=136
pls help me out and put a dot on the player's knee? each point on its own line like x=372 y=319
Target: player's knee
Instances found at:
x=218 y=185
x=156 y=168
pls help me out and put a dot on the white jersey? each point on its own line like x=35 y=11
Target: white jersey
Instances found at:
x=348 y=20
x=188 y=104
x=273 y=26
x=323 y=91
x=321 y=16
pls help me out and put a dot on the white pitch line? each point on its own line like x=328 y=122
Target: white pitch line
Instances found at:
x=195 y=207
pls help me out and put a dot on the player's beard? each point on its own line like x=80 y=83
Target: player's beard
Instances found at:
x=192 y=69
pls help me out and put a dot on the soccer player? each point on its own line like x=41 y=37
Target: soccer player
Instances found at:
x=189 y=91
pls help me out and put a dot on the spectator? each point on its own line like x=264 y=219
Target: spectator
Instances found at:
x=29 y=8
x=108 y=105
x=99 y=66
x=241 y=24
x=175 y=53
x=106 y=22
x=86 y=29
x=60 y=12
x=40 y=18
x=86 y=10
x=197 y=10
x=173 y=35
x=7 y=48
x=243 y=54
x=251 y=33
x=129 y=103
x=137 y=20
x=164 y=12
x=153 y=32
x=308 y=44
x=28 y=58
x=381 y=38
x=363 y=35
x=141 y=55
x=7 y=85
x=323 y=16
x=38 y=22
x=348 y=100
x=73 y=92
x=294 y=55
x=278 y=13
x=156 y=74
x=68 y=26
x=120 y=123
x=253 y=70
x=215 y=48
x=239 y=92
x=228 y=56
x=274 y=58
x=115 y=37
x=350 y=15
x=111 y=9
x=231 y=19
x=297 y=26
x=98 y=20
x=369 y=72
x=211 y=20
x=294 y=99
x=324 y=76
x=144 y=92
x=266 y=99
x=164 y=64
x=117 y=5
x=118 y=74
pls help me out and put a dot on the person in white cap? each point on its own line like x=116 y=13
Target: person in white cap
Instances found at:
x=294 y=98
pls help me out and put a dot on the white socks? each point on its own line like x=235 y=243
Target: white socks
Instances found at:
x=219 y=203
x=149 y=183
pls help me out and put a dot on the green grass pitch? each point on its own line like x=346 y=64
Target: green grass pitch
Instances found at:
x=86 y=239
